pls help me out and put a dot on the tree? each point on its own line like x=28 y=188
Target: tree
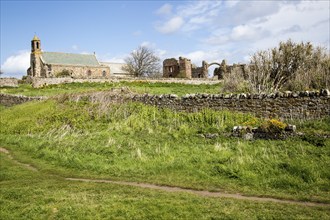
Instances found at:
x=142 y=62
x=289 y=65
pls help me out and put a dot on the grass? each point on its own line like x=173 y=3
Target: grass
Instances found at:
x=35 y=195
x=135 y=86
x=134 y=142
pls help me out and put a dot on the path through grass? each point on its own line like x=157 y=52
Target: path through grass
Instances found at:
x=26 y=194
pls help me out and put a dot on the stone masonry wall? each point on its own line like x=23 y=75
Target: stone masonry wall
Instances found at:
x=8 y=82
x=10 y=100
x=289 y=105
x=82 y=71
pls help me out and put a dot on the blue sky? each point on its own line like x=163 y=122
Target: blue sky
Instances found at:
x=199 y=30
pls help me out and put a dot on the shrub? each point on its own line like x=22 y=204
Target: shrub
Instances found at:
x=234 y=82
x=63 y=73
x=273 y=126
x=290 y=66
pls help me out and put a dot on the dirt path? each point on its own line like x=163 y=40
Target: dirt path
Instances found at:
x=179 y=189
x=28 y=166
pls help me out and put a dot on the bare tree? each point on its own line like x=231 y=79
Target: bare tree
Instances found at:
x=142 y=62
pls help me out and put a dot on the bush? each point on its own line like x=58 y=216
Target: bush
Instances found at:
x=273 y=126
x=63 y=73
x=295 y=66
x=234 y=82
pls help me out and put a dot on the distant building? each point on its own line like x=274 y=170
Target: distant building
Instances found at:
x=116 y=69
x=54 y=64
x=182 y=68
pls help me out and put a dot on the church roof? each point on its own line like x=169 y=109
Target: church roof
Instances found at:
x=69 y=59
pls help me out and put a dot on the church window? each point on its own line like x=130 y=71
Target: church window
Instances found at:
x=37 y=45
x=104 y=74
x=89 y=72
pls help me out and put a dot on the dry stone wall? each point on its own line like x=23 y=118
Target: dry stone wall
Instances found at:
x=8 y=82
x=288 y=105
x=10 y=100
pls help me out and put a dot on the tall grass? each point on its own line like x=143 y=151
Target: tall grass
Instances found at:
x=134 y=86
x=133 y=141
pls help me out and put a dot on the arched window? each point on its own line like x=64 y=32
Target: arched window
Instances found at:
x=104 y=73
x=37 y=45
x=89 y=72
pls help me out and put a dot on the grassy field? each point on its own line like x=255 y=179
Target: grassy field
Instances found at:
x=142 y=143
x=27 y=194
x=137 y=86
x=134 y=142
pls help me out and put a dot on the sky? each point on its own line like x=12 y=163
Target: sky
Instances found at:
x=199 y=30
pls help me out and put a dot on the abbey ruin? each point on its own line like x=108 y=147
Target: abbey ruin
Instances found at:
x=183 y=68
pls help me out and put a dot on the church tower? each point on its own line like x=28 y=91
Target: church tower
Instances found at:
x=35 y=60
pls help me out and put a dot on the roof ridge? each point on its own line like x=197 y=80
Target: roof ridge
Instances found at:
x=71 y=53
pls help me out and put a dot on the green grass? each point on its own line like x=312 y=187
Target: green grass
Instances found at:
x=25 y=194
x=134 y=142
x=135 y=86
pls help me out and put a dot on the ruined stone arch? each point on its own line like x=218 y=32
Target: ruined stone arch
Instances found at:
x=206 y=66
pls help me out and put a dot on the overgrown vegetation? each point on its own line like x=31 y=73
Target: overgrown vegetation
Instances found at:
x=135 y=86
x=135 y=142
x=292 y=66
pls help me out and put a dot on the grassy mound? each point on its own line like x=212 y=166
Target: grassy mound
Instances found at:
x=135 y=142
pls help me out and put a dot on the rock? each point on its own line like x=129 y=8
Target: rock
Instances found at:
x=227 y=96
x=287 y=94
x=243 y=96
x=325 y=92
x=248 y=136
x=295 y=95
x=211 y=136
x=290 y=128
x=201 y=135
x=173 y=96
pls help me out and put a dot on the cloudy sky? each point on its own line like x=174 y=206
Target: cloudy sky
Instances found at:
x=199 y=30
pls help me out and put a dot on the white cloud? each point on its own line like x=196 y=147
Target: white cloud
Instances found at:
x=16 y=65
x=171 y=25
x=148 y=44
x=166 y=9
x=75 y=47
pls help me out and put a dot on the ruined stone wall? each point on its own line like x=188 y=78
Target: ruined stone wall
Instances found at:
x=8 y=82
x=197 y=72
x=10 y=100
x=185 y=68
x=171 y=68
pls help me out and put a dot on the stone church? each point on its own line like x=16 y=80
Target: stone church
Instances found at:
x=54 y=64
